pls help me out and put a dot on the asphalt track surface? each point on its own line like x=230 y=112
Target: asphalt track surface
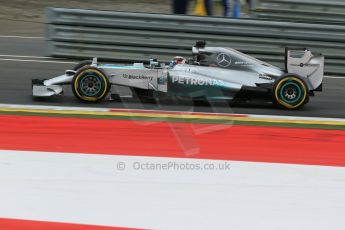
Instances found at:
x=22 y=58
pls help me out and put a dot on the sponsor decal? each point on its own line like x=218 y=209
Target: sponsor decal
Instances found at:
x=243 y=63
x=137 y=77
x=306 y=65
x=197 y=81
x=264 y=76
x=223 y=60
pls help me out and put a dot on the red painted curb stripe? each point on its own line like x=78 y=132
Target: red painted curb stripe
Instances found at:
x=15 y=224
x=164 y=139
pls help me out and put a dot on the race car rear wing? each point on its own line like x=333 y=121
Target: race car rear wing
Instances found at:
x=305 y=64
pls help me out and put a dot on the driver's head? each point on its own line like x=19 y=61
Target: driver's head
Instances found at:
x=179 y=60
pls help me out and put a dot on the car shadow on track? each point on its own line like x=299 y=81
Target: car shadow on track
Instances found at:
x=178 y=105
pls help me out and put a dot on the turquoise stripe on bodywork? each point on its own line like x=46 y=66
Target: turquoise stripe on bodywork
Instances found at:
x=120 y=66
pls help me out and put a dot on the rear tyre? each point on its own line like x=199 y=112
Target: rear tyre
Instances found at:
x=90 y=84
x=290 y=92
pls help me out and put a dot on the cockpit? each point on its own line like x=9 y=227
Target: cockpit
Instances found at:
x=211 y=56
x=222 y=57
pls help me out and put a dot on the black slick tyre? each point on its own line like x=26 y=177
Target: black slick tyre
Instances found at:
x=290 y=92
x=90 y=84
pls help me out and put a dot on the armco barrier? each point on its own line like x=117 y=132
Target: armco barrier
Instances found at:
x=123 y=36
x=310 y=11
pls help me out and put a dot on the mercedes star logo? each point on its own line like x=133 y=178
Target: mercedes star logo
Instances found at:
x=223 y=60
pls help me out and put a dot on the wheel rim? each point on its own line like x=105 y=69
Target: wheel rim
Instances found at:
x=291 y=92
x=90 y=85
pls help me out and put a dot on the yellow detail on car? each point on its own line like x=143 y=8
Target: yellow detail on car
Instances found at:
x=90 y=84
x=293 y=97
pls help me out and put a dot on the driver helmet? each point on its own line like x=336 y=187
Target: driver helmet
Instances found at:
x=178 y=60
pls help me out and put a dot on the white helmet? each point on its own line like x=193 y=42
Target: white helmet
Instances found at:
x=179 y=60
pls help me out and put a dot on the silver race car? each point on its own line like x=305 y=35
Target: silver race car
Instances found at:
x=213 y=73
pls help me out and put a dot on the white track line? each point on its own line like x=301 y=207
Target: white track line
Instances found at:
x=21 y=37
x=330 y=77
x=24 y=56
x=56 y=108
x=38 y=61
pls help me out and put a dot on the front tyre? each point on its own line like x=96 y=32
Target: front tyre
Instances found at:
x=290 y=92
x=82 y=64
x=90 y=84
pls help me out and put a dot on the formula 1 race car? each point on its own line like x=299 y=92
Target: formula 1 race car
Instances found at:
x=213 y=73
